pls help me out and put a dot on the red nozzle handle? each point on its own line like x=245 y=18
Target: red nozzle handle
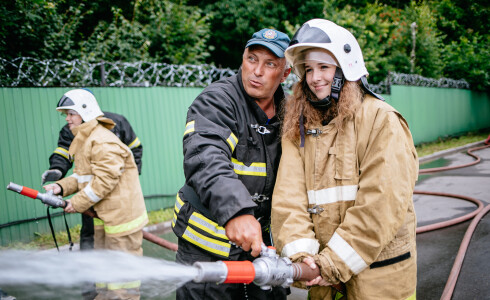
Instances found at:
x=240 y=272
x=31 y=193
x=23 y=190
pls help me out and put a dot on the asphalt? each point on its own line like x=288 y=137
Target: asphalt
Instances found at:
x=436 y=250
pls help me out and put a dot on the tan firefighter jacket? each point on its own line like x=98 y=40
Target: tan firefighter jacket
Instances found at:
x=105 y=177
x=346 y=199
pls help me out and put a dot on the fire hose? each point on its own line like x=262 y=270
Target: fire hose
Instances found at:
x=56 y=201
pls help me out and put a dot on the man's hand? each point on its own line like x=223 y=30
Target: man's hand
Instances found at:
x=51 y=175
x=69 y=208
x=245 y=231
x=53 y=187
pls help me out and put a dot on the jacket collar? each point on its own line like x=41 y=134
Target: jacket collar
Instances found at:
x=83 y=131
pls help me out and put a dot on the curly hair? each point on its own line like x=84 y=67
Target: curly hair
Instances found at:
x=350 y=99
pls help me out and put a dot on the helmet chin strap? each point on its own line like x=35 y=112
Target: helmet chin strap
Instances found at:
x=337 y=83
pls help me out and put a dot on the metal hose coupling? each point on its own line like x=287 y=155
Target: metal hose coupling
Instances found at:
x=266 y=271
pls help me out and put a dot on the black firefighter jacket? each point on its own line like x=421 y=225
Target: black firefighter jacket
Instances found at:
x=231 y=156
x=59 y=159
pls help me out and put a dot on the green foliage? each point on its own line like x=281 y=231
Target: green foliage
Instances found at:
x=468 y=58
x=38 y=29
x=451 y=36
x=234 y=22
x=160 y=31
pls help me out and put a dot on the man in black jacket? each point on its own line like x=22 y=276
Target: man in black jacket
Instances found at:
x=60 y=163
x=231 y=155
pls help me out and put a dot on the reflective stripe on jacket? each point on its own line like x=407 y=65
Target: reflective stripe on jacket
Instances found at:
x=348 y=196
x=231 y=156
x=105 y=177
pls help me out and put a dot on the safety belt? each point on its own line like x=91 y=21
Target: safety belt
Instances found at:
x=193 y=199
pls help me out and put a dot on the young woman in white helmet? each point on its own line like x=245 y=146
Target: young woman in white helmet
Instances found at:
x=106 y=179
x=343 y=196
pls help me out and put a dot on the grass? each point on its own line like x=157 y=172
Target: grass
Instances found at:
x=450 y=142
x=45 y=241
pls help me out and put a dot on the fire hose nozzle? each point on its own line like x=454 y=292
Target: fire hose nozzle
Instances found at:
x=266 y=271
x=47 y=198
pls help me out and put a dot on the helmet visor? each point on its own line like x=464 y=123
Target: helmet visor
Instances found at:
x=312 y=55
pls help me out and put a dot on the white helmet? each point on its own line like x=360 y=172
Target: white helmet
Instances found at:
x=331 y=37
x=83 y=102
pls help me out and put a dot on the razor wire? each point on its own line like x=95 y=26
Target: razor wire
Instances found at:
x=395 y=78
x=27 y=71
x=32 y=72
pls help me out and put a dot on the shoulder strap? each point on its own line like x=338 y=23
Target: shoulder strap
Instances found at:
x=193 y=199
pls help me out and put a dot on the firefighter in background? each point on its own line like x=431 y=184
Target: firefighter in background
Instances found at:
x=343 y=195
x=231 y=153
x=59 y=164
x=105 y=177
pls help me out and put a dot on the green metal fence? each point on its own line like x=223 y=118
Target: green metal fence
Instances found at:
x=29 y=127
x=438 y=112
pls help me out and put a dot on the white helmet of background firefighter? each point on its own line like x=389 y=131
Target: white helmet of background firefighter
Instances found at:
x=83 y=102
x=324 y=41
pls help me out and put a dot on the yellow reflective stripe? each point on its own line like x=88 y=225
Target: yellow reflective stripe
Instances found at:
x=178 y=204
x=189 y=127
x=207 y=225
x=338 y=296
x=232 y=140
x=204 y=242
x=98 y=222
x=63 y=152
x=413 y=297
x=255 y=169
x=127 y=226
x=135 y=143
x=124 y=285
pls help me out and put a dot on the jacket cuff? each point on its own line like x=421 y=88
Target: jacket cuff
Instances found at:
x=81 y=203
x=245 y=211
x=327 y=268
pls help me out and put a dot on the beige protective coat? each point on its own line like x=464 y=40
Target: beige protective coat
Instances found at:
x=358 y=185
x=105 y=177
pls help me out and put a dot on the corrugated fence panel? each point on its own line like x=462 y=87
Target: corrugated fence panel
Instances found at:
x=29 y=128
x=435 y=112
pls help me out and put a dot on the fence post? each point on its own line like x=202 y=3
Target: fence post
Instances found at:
x=102 y=73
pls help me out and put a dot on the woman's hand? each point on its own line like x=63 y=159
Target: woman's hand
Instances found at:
x=319 y=280
x=53 y=187
x=69 y=208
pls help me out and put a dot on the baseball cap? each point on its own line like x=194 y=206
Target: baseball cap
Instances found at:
x=274 y=40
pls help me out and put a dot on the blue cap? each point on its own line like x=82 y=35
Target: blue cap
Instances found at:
x=274 y=40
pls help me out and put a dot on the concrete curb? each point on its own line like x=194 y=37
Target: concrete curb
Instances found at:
x=436 y=155
x=164 y=226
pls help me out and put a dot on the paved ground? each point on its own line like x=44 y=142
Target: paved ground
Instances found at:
x=437 y=249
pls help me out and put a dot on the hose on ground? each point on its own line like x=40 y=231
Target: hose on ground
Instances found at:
x=477 y=214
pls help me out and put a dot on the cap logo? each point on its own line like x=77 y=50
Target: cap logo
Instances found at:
x=269 y=34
